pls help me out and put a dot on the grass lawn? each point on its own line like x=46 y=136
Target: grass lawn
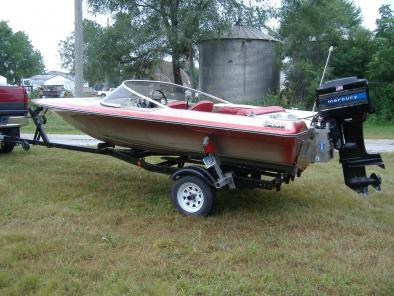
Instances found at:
x=378 y=131
x=80 y=224
x=55 y=125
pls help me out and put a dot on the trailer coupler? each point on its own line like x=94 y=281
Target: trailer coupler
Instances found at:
x=16 y=140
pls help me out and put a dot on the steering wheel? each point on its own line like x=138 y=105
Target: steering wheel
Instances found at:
x=160 y=100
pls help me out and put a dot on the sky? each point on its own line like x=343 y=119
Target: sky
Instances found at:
x=47 y=22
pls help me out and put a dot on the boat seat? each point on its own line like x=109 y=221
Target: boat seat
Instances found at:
x=177 y=105
x=260 y=110
x=205 y=106
x=229 y=109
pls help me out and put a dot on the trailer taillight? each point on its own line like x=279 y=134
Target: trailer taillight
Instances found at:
x=208 y=145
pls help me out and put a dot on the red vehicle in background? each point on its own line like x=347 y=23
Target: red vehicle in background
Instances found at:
x=13 y=114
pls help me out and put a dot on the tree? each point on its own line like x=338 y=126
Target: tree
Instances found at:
x=381 y=66
x=308 y=28
x=110 y=52
x=18 y=58
x=353 y=53
x=173 y=27
x=94 y=68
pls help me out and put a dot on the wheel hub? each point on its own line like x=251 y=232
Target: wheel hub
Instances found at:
x=190 y=197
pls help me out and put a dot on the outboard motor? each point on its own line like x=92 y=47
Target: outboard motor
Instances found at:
x=343 y=105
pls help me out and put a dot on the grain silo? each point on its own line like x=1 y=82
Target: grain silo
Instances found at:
x=239 y=66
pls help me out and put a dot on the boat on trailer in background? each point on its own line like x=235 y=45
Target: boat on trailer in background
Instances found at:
x=207 y=143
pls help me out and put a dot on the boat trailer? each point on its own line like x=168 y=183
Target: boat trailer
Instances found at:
x=195 y=176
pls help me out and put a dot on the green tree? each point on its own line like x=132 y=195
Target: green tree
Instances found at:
x=353 y=53
x=111 y=53
x=308 y=28
x=381 y=66
x=94 y=67
x=18 y=58
x=174 y=27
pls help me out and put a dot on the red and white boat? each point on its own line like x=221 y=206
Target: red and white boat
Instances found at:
x=172 y=119
x=244 y=142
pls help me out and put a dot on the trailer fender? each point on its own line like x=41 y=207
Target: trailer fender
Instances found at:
x=199 y=172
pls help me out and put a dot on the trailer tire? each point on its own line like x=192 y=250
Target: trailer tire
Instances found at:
x=6 y=147
x=192 y=196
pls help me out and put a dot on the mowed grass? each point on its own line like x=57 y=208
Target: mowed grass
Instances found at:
x=81 y=224
x=378 y=131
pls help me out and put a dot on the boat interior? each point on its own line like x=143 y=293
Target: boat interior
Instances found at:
x=150 y=95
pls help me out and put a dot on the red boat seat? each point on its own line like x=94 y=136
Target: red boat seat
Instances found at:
x=260 y=110
x=229 y=109
x=205 y=106
x=177 y=105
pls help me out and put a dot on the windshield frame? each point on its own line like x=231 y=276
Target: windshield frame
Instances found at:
x=158 y=104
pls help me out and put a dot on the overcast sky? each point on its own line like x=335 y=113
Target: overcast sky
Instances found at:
x=46 y=22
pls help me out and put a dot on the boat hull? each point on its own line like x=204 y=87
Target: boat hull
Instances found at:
x=187 y=139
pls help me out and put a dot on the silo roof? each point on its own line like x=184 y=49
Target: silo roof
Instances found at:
x=240 y=31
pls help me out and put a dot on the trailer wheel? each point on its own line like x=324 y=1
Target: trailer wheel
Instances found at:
x=192 y=196
x=6 y=147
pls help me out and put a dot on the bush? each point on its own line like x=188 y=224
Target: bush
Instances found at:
x=273 y=100
x=382 y=97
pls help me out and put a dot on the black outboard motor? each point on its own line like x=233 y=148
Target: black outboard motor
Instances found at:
x=343 y=104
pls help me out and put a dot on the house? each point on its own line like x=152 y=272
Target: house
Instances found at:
x=50 y=78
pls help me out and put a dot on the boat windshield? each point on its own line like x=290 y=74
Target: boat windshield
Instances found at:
x=154 y=94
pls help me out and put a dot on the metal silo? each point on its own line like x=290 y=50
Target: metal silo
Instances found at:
x=239 y=66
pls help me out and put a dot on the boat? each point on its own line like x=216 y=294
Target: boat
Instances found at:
x=231 y=144
x=168 y=118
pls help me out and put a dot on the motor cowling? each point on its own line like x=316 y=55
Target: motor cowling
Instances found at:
x=343 y=105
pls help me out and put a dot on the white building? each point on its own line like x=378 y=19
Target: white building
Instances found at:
x=51 y=78
x=3 y=80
